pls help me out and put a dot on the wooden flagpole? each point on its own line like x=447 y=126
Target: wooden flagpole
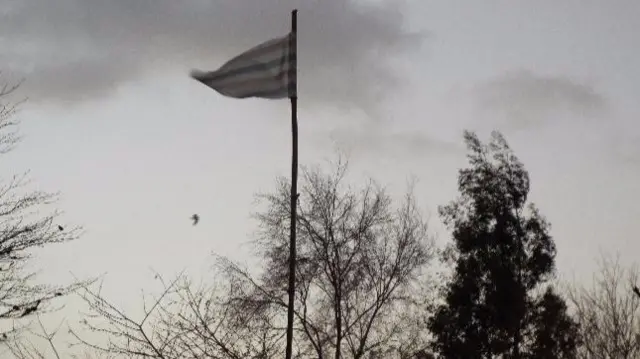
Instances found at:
x=294 y=181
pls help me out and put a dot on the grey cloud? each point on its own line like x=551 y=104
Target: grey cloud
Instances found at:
x=525 y=98
x=69 y=50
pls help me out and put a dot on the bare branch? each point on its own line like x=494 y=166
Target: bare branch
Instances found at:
x=26 y=222
x=608 y=312
x=360 y=270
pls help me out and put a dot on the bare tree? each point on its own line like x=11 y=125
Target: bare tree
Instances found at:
x=184 y=321
x=360 y=267
x=608 y=312
x=125 y=336
x=23 y=228
x=26 y=349
x=360 y=284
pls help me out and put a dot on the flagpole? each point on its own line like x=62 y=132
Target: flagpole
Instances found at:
x=294 y=181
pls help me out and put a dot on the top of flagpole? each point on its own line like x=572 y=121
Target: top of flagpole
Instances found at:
x=294 y=21
x=293 y=69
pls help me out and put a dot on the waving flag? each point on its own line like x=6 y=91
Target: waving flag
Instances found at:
x=265 y=71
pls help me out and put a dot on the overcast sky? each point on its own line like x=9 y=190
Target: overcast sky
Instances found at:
x=114 y=122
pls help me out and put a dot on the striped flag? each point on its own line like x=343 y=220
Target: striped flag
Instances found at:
x=265 y=71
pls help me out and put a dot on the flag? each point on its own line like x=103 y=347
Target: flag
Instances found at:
x=265 y=71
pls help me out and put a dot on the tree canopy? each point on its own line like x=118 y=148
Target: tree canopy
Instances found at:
x=504 y=256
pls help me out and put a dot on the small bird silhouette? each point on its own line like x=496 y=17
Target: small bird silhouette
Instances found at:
x=60 y=228
x=195 y=219
x=636 y=291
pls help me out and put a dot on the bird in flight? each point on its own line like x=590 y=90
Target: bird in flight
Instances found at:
x=636 y=291
x=195 y=219
x=60 y=228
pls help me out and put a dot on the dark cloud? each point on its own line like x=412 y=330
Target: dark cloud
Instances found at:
x=75 y=49
x=525 y=98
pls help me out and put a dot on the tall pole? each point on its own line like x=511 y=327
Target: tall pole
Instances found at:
x=294 y=179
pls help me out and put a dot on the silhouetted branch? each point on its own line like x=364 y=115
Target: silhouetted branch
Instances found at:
x=608 y=312
x=25 y=224
x=359 y=273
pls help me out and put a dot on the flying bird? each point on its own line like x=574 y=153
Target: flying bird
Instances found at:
x=636 y=291
x=60 y=228
x=195 y=219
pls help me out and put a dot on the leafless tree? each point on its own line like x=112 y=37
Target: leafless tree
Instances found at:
x=23 y=227
x=125 y=336
x=360 y=281
x=26 y=349
x=184 y=321
x=361 y=265
x=608 y=312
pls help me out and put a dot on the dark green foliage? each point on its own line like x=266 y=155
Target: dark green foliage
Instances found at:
x=503 y=255
x=555 y=334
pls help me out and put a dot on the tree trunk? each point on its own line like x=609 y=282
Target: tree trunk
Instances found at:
x=338 y=313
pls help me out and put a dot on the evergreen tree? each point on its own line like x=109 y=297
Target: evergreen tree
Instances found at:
x=503 y=256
